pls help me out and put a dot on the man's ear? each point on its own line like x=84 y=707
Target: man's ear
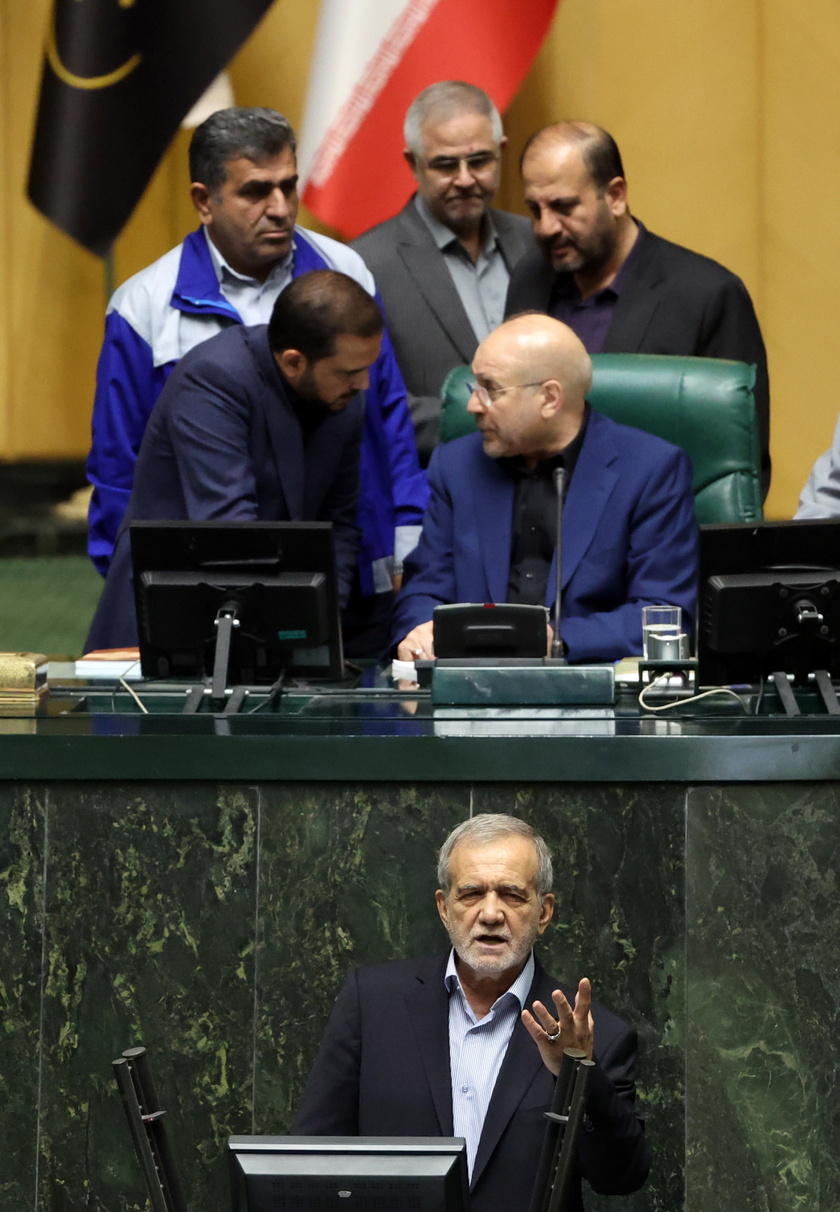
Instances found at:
x=552 y=398
x=410 y=159
x=200 y=195
x=442 y=908
x=546 y=911
x=616 y=195
x=292 y=363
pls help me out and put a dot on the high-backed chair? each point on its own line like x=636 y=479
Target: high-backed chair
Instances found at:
x=704 y=405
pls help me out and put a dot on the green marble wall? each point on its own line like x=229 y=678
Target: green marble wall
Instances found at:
x=214 y=923
x=22 y=824
x=763 y=996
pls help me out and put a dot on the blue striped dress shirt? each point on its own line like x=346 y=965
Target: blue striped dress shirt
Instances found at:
x=477 y=1048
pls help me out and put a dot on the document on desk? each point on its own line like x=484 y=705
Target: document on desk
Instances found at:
x=110 y=665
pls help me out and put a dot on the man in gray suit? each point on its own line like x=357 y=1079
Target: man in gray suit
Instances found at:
x=442 y=265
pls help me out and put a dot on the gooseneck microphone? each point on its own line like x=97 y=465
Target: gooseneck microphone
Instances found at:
x=559 y=477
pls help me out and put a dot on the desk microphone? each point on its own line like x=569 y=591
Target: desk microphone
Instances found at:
x=559 y=477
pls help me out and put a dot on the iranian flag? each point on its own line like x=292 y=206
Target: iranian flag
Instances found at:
x=372 y=58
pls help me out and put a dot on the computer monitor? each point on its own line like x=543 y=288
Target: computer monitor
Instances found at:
x=769 y=601
x=359 y=1173
x=276 y=579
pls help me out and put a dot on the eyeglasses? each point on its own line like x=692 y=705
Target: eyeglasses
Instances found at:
x=486 y=395
x=450 y=166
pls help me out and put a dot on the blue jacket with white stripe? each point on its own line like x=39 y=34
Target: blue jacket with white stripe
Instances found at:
x=170 y=307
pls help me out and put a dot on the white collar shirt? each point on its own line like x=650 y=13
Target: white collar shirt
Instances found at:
x=254 y=300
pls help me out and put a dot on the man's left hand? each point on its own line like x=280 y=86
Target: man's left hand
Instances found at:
x=571 y=1028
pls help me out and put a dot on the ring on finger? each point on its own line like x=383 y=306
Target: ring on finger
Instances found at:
x=552 y=1039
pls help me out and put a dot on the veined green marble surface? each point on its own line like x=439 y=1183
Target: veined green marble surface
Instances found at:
x=149 y=940
x=213 y=924
x=22 y=841
x=763 y=999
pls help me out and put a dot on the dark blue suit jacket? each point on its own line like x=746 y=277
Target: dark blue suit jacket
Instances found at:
x=629 y=538
x=224 y=444
x=383 y=1070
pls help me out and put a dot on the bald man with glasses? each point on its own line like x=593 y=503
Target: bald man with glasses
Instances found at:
x=629 y=534
x=443 y=264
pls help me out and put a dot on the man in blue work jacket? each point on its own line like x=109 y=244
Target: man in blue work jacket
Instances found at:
x=248 y=248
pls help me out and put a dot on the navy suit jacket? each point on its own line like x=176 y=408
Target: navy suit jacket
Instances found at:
x=224 y=444
x=629 y=538
x=672 y=301
x=383 y=1070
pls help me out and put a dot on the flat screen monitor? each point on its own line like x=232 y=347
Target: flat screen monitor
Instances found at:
x=769 y=601
x=278 y=578
x=356 y=1173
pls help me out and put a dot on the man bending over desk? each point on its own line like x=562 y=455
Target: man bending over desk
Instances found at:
x=259 y=423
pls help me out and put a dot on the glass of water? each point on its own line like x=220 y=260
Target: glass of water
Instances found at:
x=663 y=638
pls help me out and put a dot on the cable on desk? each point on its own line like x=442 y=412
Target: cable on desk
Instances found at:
x=682 y=702
x=122 y=682
x=273 y=693
x=133 y=693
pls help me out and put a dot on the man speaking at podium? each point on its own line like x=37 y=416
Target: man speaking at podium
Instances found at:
x=489 y=534
x=439 y=1046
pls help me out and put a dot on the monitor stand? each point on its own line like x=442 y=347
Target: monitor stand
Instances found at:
x=825 y=692
x=220 y=700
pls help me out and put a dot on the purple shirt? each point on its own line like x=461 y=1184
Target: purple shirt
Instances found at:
x=590 y=318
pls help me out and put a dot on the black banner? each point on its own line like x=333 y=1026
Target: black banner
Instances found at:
x=119 y=77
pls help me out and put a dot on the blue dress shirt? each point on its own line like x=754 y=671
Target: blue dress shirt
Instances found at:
x=477 y=1048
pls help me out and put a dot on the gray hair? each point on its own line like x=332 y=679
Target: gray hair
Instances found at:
x=254 y=132
x=447 y=99
x=490 y=827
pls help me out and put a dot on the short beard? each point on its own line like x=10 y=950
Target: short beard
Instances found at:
x=493 y=965
x=463 y=225
x=601 y=247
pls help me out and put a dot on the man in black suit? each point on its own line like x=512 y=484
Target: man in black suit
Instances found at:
x=466 y=1045
x=442 y=265
x=618 y=286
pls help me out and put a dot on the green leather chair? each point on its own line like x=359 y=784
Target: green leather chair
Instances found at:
x=704 y=405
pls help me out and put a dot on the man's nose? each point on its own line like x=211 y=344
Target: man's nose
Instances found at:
x=491 y=908
x=465 y=177
x=360 y=381
x=547 y=224
x=474 y=405
x=278 y=204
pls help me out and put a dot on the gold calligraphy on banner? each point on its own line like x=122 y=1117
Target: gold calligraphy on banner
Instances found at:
x=88 y=82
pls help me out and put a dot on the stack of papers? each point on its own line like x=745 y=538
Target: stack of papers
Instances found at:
x=110 y=664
